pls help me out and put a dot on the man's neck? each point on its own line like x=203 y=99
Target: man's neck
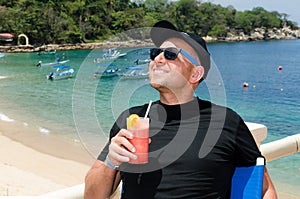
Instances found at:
x=172 y=99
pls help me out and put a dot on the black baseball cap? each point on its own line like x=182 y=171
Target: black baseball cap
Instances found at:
x=163 y=30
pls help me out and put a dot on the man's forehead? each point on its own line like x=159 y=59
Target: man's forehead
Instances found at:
x=167 y=43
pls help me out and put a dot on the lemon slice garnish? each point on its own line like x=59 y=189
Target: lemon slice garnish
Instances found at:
x=131 y=120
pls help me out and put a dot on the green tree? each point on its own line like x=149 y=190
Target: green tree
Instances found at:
x=64 y=21
x=125 y=20
x=218 y=30
x=243 y=21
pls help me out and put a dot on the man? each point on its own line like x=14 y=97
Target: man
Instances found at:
x=195 y=145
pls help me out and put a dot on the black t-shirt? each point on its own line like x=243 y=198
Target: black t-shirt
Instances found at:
x=194 y=150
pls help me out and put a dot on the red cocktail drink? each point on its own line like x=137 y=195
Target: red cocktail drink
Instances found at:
x=140 y=140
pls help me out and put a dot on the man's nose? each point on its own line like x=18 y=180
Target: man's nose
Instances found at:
x=160 y=58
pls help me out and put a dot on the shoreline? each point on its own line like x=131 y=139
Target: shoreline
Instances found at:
x=123 y=44
x=31 y=136
x=259 y=34
x=104 y=45
x=33 y=163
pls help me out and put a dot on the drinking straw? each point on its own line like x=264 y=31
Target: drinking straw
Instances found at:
x=148 y=109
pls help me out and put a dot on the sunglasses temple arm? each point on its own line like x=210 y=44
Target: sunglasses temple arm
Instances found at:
x=187 y=55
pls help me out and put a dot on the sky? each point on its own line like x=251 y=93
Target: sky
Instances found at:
x=289 y=7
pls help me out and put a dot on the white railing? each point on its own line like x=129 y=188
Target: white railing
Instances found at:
x=279 y=148
x=75 y=192
x=271 y=151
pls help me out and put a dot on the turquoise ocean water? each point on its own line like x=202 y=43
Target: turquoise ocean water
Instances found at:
x=85 y=107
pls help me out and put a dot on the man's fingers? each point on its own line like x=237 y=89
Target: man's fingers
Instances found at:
x=120 y=148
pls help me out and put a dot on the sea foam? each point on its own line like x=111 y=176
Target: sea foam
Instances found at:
x=44 y=130
x=5 y=118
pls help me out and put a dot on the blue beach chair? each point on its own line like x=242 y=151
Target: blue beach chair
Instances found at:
x=247 y=182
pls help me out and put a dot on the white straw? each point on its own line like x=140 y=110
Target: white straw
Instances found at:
x=148 y=109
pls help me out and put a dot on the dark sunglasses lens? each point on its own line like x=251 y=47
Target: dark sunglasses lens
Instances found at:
x=154 y=52
x=171 y=53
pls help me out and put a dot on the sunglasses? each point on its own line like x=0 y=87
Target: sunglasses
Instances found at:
x=171 y=54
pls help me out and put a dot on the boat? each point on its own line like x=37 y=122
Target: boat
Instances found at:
x=142 y=61
x=136 y=72
x=106 y=65
x=108 y=73
x=135 y=68
x=61 y=72
x=47 y=52
x=135 y=75
x=139 y=56
x=112 y=53
x=40 y=63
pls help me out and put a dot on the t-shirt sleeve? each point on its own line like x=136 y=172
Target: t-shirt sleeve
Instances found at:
x=247 y=150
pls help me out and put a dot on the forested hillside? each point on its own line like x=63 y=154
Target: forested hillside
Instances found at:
x=77 y=21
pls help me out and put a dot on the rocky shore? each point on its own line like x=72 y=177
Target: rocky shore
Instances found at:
x=232 y=36
x=81 y=46
x=258 y=34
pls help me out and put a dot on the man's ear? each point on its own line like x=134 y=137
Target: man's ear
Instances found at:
x=197 y=74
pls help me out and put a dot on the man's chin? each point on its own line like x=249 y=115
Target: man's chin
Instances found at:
x=155 y=85
x=159 y=86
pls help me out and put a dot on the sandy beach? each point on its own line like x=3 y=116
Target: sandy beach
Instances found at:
x=34 y=164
